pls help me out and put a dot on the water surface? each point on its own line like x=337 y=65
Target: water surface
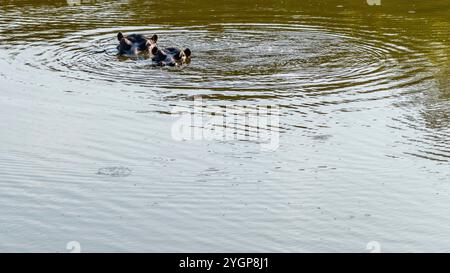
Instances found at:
x=87 y=155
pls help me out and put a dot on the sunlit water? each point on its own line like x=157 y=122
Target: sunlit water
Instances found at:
x=87 y=153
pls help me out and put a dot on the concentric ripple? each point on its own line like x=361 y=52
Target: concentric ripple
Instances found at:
x=275 y=60
x=310 y=66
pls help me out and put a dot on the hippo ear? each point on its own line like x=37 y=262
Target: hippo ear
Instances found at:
x=187 y=52
x=154 y=50
x=119 y=36
x=154 y=38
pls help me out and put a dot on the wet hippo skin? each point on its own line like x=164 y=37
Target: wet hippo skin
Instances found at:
x=135 y=44
x=171 y=56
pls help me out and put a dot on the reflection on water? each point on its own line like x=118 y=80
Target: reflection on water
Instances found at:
x=86 y=152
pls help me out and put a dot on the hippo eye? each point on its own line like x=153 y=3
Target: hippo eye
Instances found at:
x=179 y=56
x=125 y=44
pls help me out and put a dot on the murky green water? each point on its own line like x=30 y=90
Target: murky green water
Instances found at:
x=87 y=151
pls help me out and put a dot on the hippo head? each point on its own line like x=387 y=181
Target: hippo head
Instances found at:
x=135 y=44
x=171 y=56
